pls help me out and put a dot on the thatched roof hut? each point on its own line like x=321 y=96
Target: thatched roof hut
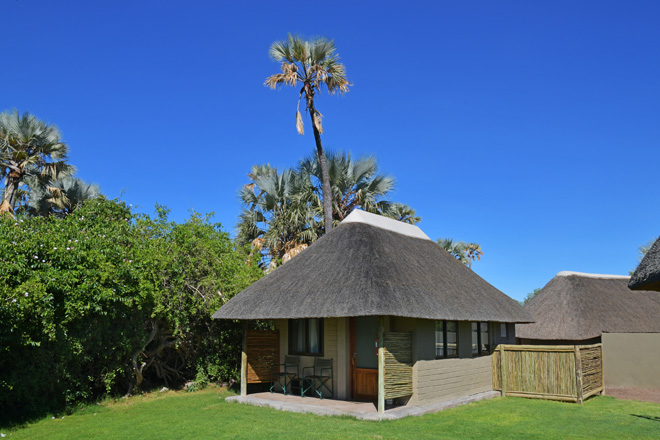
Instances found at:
x=371 y=265
x=576 y=306
x=647 y=274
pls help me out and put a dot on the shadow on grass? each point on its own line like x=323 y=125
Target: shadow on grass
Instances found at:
x=652 y=418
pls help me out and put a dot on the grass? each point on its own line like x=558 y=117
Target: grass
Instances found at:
x=205 y=414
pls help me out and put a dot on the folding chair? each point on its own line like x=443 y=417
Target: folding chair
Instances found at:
x=320 y=377
x=283 y=374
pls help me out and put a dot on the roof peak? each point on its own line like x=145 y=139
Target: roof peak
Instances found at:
x=566 y=273
x=389 y=224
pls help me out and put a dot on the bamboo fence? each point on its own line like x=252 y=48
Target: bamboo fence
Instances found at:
x=263 y=351
x=554 y=372
x=398 y=364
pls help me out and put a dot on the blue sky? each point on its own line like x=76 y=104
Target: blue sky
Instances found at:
x=531 y=128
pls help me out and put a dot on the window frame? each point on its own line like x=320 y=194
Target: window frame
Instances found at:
x=479 y=331
x=444 y=339
x=307 y=351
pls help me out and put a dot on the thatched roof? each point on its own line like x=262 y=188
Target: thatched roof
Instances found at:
x=578 y=306
x=370 y=265
x=647 y=274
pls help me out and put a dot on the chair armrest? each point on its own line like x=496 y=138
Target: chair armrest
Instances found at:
x=307 y=368
x=326 y=369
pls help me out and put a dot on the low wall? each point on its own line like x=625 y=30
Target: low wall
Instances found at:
x=631 y=360
x=445 y=379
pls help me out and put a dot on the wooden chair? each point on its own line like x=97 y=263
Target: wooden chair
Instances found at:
x=283 y=375
x=318 y=378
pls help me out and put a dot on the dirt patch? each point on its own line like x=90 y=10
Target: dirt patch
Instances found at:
x=643 y=394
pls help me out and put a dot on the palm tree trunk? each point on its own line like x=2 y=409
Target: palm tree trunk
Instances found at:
x=326 y=189
x=11 y=187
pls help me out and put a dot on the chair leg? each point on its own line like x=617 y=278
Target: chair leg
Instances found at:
x=275 y=381
x=305 y=385
x=272 y=384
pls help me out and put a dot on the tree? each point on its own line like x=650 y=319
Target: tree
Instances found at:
x=313 y=63
x=278 y=217
x=466 y=253
x=59 y=197
x=530 y=295
x=643 y=249
x=197 y=268
x=94 y=302
x=283 y=212
x=73 y=300
x=355 y=184
x=29 y=147
x=400 y=212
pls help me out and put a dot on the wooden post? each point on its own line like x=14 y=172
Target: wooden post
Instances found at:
x=502 y=371
x=578 y=374
x=381 y=364
x=244 y=361
x=602 y=370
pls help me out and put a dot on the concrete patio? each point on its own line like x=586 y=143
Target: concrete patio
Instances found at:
x=359 y=410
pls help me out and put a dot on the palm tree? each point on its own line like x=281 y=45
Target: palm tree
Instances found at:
x=282 y=212
x=313 y=63
x=355 y=184
x=277 y=219
x=29 y=147
x=466 y=253
x=59 y=197
x=400 y=212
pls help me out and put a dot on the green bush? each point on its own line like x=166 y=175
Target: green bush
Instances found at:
x=86 y=298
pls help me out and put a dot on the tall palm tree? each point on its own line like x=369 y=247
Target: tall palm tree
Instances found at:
x=313 y=63
x=29 y=147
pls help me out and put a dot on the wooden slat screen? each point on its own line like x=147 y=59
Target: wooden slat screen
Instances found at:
x=398 y=364
x=556 y=372
x=263 y=351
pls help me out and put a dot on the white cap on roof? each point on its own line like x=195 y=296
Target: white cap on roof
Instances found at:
x=389 y=224
x=567 y=273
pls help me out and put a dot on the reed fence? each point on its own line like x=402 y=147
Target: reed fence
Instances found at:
x=263 y=351
x=554 y=372
x=398 y=364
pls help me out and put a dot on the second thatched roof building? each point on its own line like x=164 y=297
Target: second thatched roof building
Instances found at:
x=582 y=308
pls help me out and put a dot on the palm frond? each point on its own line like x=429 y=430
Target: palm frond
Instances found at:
x=289 y=76
x=318 y=121
x=300 y=126
x=279 y=51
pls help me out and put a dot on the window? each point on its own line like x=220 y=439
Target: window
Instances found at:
x=503 y=332
x=306 y=336
x=480 y=340
x=446 y=339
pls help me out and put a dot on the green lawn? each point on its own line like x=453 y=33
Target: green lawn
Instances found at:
x=205 y=414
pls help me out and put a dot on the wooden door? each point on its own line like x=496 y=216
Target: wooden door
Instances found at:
x=364 y=358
